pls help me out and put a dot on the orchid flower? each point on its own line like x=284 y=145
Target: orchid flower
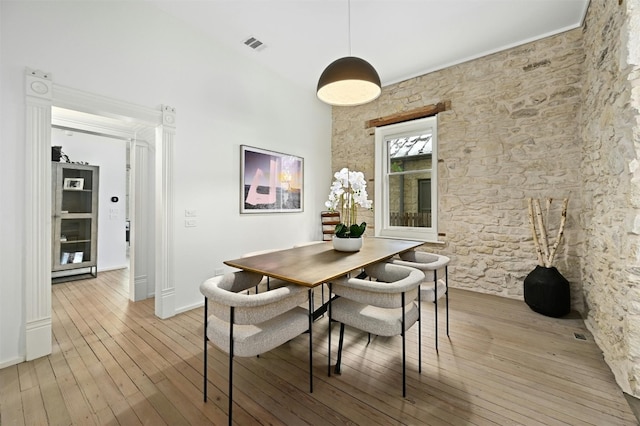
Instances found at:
x=347 y=192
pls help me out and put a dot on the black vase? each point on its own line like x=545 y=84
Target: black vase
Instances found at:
x=547 y=292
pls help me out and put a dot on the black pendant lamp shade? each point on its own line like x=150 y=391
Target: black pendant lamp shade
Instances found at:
x=349 y=81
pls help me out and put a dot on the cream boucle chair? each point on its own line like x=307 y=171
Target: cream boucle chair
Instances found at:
x=436 y=279
x=384 y=307
x=246 y=325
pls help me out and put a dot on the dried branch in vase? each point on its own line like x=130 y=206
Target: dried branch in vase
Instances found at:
x=539 y=224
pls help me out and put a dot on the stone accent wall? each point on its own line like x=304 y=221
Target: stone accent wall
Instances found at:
x=610 y=126
x=511 y=133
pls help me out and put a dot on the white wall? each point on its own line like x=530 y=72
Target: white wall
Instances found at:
x=110 y=154
x=137 y=53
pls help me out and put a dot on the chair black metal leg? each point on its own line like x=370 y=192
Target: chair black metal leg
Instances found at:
x=206 y=339
x=419 y=333
x=231 y=365
x=310 y=341
x=435 y=301
x=404 y=358
x=339 y=362
x=329 y=337
x=446 y=294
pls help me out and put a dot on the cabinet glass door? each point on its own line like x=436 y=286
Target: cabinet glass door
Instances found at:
x=74 y=220
x=75 y=241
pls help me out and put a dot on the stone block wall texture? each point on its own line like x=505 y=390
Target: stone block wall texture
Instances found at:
x=511 y=133
x=610 y=127
x=553 y=118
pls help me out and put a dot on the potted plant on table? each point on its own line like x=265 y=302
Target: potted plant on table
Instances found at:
x=348 y=192
x=546 y=291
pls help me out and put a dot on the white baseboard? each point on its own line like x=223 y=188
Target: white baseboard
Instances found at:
x=189 y=307
x=165 y=305
x=140 y=288
x=38 y=338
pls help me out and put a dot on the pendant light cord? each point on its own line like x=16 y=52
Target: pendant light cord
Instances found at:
x=349 y=23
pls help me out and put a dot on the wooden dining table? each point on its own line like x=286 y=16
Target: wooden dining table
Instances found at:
x=317 y=264
x=313 y=265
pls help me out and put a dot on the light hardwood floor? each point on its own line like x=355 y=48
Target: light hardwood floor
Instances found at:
x=114 y=363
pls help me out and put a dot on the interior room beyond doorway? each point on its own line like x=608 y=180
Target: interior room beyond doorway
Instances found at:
x=111 y=155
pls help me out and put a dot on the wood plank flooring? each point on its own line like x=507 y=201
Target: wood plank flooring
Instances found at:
x=115 y=363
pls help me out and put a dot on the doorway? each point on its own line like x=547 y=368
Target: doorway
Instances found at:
x=80 y=148
x=140 y=137
x=153 y=164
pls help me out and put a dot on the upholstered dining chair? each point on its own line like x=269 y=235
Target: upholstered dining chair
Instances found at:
x=436 y=279
x=245 y=325
x=383 y=305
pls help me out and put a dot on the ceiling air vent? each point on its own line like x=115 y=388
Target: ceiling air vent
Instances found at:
x=254 y=43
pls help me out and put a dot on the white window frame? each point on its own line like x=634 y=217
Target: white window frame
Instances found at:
x=395 y=131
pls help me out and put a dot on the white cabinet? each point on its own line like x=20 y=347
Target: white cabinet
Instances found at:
x=74 y=225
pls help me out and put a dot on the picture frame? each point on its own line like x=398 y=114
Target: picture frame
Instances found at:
x=77 y=257
x=270 y=182
x=71 y=257
x=73 y=184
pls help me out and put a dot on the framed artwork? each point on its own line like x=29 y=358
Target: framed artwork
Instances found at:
x=270 y=182
x=76 y=184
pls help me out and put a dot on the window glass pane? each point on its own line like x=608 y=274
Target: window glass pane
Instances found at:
x=409 y=147
x=407 y=180
x=407 y=191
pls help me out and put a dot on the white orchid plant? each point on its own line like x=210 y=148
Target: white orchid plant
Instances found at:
x=348 y=192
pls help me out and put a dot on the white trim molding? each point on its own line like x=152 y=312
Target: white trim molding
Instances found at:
x=165 y=298
x=383 y=171
x=36 y=265
x=142 y=225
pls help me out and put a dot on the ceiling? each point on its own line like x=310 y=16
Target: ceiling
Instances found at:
x=400 y=38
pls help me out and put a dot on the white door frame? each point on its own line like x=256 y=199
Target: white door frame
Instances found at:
x=40 y=95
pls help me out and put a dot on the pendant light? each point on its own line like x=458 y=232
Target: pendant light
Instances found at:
x=349 y=81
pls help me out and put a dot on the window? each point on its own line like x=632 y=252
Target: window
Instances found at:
x=407 y=180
